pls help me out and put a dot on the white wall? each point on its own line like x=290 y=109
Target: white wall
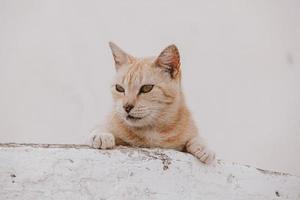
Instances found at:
x=240 y=64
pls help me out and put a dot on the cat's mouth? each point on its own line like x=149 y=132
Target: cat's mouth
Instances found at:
x=130 y=117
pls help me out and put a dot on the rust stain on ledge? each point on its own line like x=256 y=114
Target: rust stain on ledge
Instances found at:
x=273 y=172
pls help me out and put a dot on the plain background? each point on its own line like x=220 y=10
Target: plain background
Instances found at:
x=240 y=62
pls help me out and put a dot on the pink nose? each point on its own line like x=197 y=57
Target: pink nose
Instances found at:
x=128 y=107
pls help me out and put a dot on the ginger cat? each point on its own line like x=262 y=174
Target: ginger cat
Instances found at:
x=150 y=109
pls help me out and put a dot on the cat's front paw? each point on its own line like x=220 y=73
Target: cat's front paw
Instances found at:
x=200 y=151
x=102 y=141
x=206 y=155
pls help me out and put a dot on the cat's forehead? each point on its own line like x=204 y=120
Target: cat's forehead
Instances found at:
x=139 y=72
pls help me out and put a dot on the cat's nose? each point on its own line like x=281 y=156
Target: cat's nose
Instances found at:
x=128 y=107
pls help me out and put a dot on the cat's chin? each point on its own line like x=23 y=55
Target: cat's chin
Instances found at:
x=135 y=121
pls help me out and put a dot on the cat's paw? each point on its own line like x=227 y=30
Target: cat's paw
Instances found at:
x=102 y=141
x=200 y=151
x=205 y=155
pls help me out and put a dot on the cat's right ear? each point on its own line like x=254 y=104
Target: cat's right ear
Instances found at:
x=120 y=56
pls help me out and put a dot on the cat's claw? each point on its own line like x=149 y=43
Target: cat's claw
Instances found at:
x=102 y=141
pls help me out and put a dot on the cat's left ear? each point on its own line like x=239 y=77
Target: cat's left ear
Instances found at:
x=169 y=60
x=120 y=56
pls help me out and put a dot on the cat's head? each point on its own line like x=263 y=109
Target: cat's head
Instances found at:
x=146 y=90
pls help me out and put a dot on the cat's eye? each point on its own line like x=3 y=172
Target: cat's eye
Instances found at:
x=146 y=88
x=119 y=88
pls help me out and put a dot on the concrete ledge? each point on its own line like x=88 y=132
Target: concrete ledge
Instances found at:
x=37 y=171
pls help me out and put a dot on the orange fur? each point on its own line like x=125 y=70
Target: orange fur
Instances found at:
x=159 y=118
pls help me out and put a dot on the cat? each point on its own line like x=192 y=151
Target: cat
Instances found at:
x=149 y=106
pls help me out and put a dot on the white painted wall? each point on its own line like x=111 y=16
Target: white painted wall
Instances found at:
x=240 y=62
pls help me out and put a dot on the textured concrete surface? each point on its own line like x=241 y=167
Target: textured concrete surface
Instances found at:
x=77 y=172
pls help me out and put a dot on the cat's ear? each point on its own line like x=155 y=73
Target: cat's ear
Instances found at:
x=169 y=60
x=120 y=56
